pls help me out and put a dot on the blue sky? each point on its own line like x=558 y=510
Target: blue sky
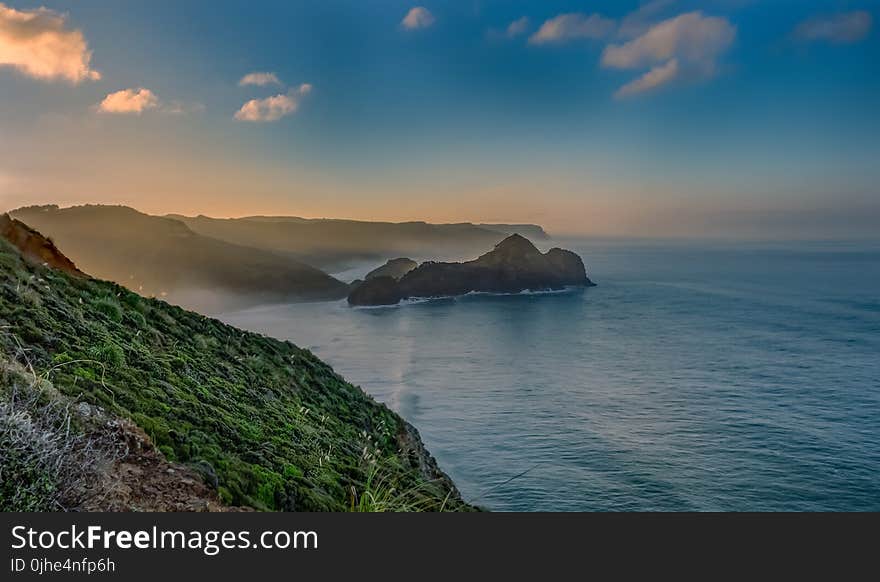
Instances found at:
x=727 y=117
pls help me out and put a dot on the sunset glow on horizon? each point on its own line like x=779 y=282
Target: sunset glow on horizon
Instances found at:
x=663 y=118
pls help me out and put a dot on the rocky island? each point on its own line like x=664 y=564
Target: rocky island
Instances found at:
x=513 y=266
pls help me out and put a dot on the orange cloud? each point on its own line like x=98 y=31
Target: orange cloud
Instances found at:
x=37 y=43
x=418 y=17
x=129 y=101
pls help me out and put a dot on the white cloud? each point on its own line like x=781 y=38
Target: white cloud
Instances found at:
x=134 y=101
x=418 y=17
x=659 y=75
x=688 y=45
x=637 y=22
x=692 y=37
x=572 y=26
x=844 y=28
x=268 y=109
x=38 y=44
x=517 y=27
x=273 y=108
x=259 y=79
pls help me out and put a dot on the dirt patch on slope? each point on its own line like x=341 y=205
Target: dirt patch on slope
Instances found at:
x=143 y=480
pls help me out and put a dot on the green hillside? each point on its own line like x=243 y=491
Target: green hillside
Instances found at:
x=277 y=426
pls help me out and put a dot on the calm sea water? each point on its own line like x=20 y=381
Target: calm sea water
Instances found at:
x=694 y=377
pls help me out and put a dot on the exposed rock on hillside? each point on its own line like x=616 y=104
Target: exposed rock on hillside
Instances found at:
x=34 y=246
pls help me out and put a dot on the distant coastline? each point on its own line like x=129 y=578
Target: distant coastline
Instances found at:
x=214 y=265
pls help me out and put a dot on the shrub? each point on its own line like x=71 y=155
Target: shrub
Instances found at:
x=109 y=308
x=132 y=300
x=136 y=319
x=45 y=464
x=380 y=494
x=109 y=354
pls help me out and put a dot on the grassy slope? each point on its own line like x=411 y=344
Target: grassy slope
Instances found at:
x=279 y=427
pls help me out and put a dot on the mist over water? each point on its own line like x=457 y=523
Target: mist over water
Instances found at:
x=694 y=377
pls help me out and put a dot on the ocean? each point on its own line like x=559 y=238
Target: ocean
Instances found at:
x=699 y=376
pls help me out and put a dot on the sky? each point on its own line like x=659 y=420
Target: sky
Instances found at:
x=722 y=118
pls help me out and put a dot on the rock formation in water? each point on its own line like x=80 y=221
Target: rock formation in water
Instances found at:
x=514 y=265
x=377 y=291
x=395 y=268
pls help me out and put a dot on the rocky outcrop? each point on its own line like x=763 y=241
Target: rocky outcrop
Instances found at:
x=34 y=246
x=569 y=264
x=514 y=265
x=413 y=449
x=395 y=268
x=376 y=291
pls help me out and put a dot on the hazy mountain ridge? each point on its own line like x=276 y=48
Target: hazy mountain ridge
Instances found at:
x=159 y=256
x=216 y=265
x=336 y=243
